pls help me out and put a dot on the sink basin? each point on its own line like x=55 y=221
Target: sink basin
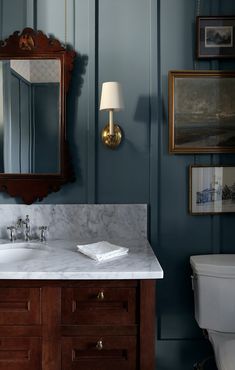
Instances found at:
x=16 y=252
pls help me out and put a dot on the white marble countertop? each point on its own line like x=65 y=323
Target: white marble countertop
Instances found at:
x=60 y=260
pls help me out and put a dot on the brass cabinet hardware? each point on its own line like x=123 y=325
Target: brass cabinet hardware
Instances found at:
x=100 y=296
x=99 y=345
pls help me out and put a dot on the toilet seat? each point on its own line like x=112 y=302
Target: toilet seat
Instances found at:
x=224 y=349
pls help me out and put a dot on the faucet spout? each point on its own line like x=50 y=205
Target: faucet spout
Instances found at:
x=26 y=222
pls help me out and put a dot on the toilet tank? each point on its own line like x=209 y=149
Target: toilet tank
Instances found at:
x=213 y=283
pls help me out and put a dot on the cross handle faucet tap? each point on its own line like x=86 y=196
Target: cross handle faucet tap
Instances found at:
x=43 y=230
x=12 y=233
x=22 y=227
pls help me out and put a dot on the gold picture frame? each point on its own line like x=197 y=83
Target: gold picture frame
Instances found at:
x=201 y=112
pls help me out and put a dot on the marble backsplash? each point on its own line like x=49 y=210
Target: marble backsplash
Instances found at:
x=79 y=222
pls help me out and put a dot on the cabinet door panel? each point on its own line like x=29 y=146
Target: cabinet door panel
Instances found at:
x=20 y=306
x=99 y=305
x=95 y=353
x=20 y=353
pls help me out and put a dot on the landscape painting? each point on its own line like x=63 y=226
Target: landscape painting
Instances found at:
x=202 y=112
x=212 y=189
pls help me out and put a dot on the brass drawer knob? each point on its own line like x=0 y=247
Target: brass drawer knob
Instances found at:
x=99 y=345
x=100 y=296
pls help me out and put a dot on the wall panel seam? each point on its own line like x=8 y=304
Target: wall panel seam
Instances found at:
x=35 y=14
x=1 y=18
x=92 y=89
x=155 y=120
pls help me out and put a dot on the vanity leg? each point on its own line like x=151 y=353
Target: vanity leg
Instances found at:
x=147 y=324
x=51 y=317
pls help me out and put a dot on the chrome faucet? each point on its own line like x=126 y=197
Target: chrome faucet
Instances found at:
x=22 y=229
x=21 y=223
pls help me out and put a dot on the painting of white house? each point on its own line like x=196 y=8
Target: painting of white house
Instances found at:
x=212 y=189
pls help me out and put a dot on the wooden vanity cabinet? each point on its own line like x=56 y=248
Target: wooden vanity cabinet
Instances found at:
x=83 y=325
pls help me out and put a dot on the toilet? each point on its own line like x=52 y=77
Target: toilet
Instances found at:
x=213 y=283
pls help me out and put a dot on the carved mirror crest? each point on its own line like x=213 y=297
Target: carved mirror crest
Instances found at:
x=35 y=72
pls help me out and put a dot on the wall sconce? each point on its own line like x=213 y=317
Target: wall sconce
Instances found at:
x=111 y=100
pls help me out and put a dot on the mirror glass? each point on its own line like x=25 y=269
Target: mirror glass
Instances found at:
x=30 y=111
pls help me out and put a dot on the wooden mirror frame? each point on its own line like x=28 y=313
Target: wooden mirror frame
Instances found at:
x=31 y=44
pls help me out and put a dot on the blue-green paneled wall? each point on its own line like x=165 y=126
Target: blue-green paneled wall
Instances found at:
x=137 y=42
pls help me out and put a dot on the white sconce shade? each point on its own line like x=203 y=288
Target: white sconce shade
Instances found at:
x=111 y=96
x=111 y=101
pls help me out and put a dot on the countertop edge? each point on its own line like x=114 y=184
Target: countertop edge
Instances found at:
x=71 y=276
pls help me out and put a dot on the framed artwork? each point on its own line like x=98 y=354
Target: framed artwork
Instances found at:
x=201 y=112
x=211 y=189
x=216 y=37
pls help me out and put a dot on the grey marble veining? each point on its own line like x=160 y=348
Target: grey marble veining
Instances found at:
x=79 y=222
x=61 y=260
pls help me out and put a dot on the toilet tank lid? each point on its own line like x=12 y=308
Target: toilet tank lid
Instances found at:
x=219 y=265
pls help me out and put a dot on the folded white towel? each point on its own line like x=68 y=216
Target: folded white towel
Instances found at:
x=102 y=251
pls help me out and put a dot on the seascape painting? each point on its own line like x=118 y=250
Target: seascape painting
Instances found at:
x=204 y=114
x=212 y=189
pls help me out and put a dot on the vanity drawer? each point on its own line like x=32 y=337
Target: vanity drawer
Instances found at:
x=99 y=305
x=20 y=306
x=96 y=353
x=20 y=353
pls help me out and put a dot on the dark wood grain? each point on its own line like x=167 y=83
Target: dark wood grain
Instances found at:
x=83 y=305
x=61 y=335
x=20 y=353
x=21 y=331
x=69 y=283
x=20 y=306
x=51 y=318
x=147 y=325
x=78 y=330
x=81 y=353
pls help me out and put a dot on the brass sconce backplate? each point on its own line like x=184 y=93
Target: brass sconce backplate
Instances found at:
x=111 y=141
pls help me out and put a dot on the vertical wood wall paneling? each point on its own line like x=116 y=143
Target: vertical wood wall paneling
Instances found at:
x=79 y=106
x=30 y=15
x=82 y=102
x=155 y=116
x=123 y=174
x=178 y=239
x=50 y=17
x=155 y=137
x=93 y=100
x=1 y=19
x=227 y=225
x=55 y=26
x=14 y=16
x=215 y=158
x=78 y=97
x=70 y=23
